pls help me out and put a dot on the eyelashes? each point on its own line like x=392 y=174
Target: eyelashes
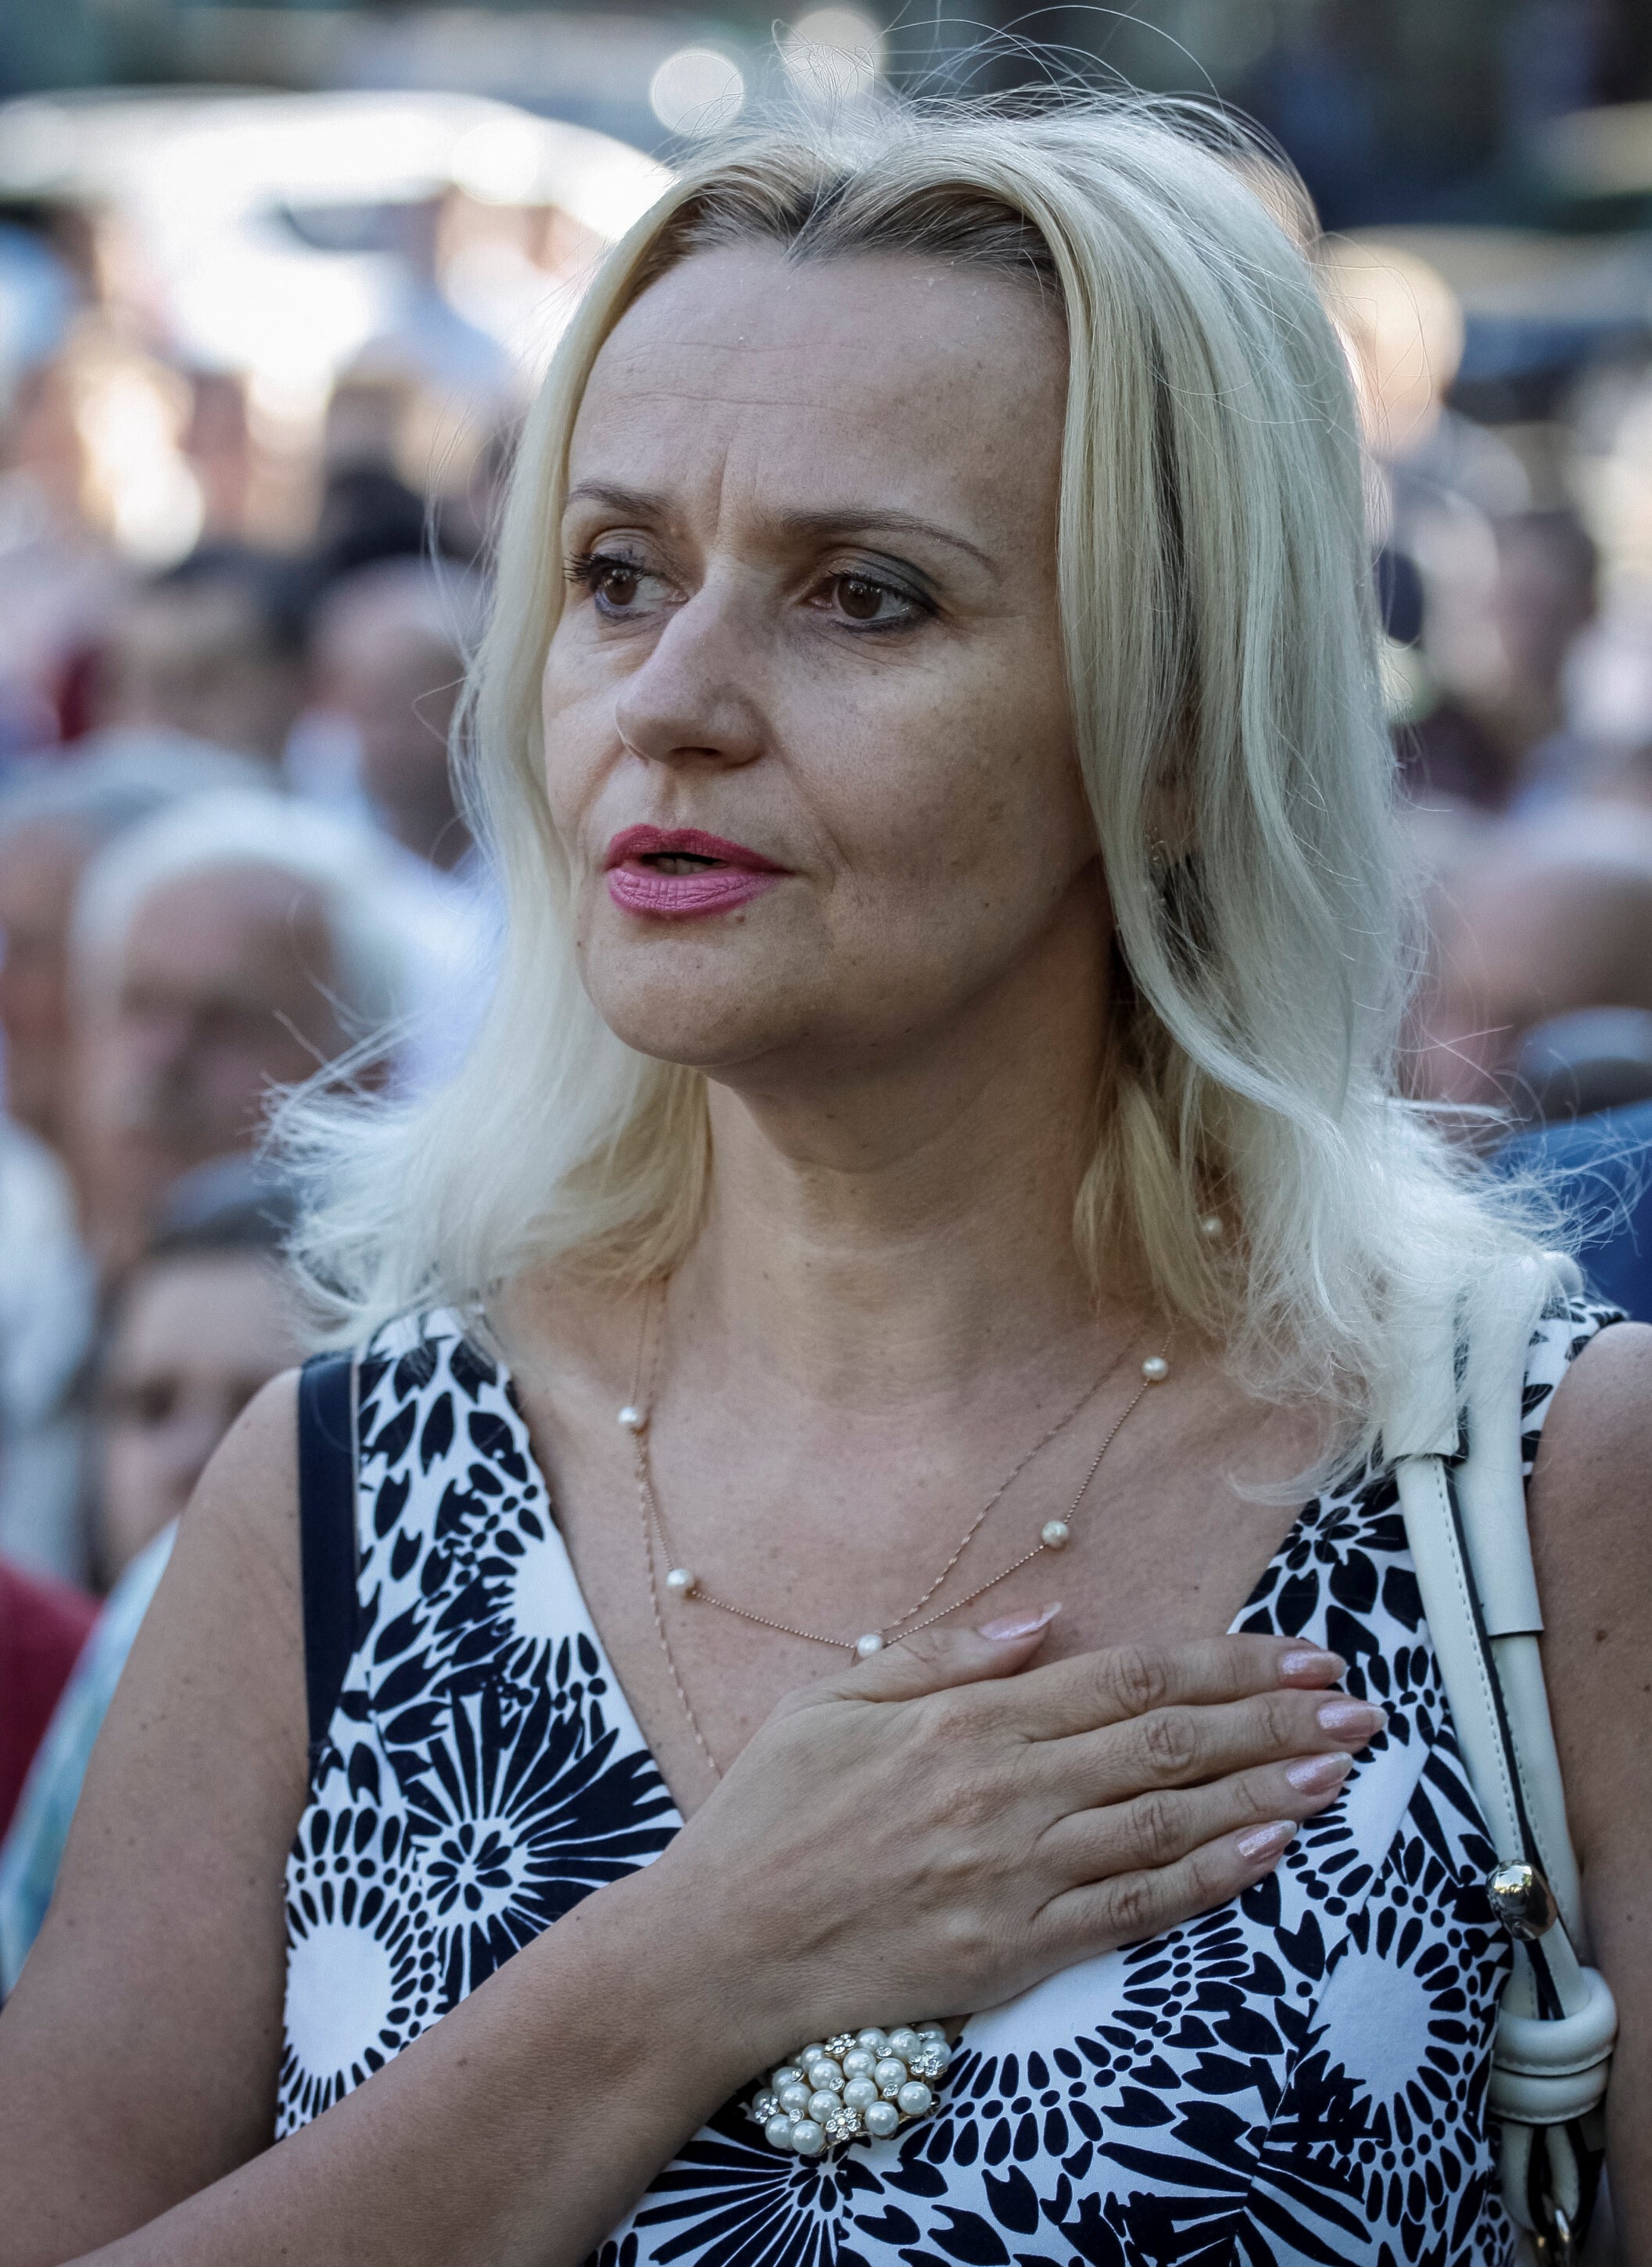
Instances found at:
x=860 y=593
x=590 y=571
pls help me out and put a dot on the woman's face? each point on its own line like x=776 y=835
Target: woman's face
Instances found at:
x=805 y=712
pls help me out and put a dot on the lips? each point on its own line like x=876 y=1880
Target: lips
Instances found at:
x=641 y=882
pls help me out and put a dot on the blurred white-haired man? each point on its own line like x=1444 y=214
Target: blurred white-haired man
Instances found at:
x=224 y=949
x=52 y=824
x=54 y=820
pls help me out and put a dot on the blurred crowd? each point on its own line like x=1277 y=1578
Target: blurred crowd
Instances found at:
x=230 y=862
x=231 y=859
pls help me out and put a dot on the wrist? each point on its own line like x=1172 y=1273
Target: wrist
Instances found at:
x=672 y=1980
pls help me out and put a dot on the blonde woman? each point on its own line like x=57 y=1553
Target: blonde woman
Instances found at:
x=932 y=1160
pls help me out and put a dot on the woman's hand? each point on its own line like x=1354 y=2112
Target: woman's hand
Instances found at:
x=928 y=1830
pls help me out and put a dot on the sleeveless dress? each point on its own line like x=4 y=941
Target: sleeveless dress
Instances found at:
x=1299 y=2076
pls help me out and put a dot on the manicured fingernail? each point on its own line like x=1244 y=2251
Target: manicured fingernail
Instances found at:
x=1352 y=1720
x=1265 y=1841
x=1318 y=1774
x=1023 y=1624
x=1310 y=1666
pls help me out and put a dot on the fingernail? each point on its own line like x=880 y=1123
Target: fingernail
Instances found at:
x=1265 y=1841
x=1352 y=1720
x=1311 y=1666
x=1021 y=1624
x=1318 y=1774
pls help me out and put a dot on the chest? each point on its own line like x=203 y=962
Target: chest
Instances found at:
x=796 y=1549
x=1309 y=2059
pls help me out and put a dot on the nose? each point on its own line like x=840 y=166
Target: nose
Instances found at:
x=693 y=699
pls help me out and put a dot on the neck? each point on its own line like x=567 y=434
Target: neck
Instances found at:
x=888 y=1234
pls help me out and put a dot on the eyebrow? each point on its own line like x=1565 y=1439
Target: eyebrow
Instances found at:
x=852 y=520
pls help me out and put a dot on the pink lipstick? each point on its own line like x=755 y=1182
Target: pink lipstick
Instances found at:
x=673 y=873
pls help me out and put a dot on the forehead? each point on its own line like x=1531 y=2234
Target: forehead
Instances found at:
x=935 y=377
x=225 y=923
x=200 y=1310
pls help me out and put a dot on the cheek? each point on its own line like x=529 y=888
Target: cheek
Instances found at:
x=957 y=808
x=577 y=721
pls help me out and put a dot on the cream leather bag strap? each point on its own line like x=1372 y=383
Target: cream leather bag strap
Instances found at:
x=1456 y=1448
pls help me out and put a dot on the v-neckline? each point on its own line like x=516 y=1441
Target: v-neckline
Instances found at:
x=517 y=1417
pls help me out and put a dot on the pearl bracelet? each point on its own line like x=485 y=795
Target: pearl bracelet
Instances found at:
x=868 y=2083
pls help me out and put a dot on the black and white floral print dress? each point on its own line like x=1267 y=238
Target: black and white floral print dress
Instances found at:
x=1299 y=2076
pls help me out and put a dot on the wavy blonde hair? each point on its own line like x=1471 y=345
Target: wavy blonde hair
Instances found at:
x=1221 y=644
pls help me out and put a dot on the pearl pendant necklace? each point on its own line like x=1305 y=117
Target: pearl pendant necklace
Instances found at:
x=684 y=1583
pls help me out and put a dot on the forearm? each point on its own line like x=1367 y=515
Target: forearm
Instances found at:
x=518 y=2130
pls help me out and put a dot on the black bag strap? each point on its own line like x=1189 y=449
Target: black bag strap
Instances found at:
x=326 y=1530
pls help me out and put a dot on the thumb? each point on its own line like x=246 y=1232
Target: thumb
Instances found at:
x=932 y=1659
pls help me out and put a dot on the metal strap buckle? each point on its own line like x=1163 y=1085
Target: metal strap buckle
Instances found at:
x=1522 y=1901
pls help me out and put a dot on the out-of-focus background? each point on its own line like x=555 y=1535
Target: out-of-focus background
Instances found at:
x=276 y=284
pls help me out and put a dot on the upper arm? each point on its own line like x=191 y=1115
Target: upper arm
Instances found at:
x=138 y=2056
x=1592 y=1533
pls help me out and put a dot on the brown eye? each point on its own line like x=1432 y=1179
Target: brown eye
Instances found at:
x=618 y=583
x=861 y=600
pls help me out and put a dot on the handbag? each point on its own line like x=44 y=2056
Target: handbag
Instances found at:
x=1454 y=1443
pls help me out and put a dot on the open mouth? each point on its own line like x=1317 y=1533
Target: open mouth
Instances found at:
x=675 y=873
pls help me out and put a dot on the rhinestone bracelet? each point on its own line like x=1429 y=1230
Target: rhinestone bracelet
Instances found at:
x=868 y=2083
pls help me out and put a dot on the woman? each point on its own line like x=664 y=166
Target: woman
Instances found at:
x=938 y=1099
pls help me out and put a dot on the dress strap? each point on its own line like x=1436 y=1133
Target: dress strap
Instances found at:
x=326 y=1530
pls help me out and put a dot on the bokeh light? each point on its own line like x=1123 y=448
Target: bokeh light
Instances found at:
x=835 y=52
x=696 y=91
x=499 y=163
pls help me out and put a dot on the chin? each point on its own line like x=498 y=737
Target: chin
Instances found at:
x=704 y=1026
x=703 y=994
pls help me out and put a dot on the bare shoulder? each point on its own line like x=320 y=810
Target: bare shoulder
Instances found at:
x=170 y=1892
x=1592 y=1536
x=1594 y=1468
x=244 y=1512
x=1590 y=1504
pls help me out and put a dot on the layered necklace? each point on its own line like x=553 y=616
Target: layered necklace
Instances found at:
x=683 y=1583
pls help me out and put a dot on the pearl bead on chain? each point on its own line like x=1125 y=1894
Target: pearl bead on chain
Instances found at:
x=1054 y=1535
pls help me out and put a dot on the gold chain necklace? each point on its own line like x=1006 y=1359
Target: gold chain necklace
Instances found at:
x=682 y=1582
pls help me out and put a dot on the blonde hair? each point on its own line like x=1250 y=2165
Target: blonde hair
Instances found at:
x=1221 y=641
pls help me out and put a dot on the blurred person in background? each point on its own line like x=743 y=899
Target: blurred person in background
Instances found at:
x=388 y=646
x=1541 y=922
x=200 y=1324
x=58 y=578
x=1495 y=593
x=1544 y=596
x=226 y=948
x=51 y=825
x=201 y=1321
x=213 y=647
